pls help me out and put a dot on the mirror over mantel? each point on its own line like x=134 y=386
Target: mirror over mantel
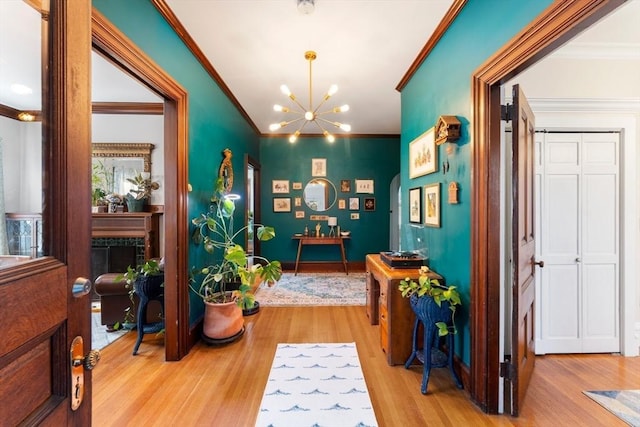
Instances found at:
x=113 y=163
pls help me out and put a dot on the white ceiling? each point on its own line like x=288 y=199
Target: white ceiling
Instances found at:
x=363 y=46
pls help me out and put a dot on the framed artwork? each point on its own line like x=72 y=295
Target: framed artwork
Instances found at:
x=364 y=186
x=345 y=185
x=280 y=186
x=297 y=202
x=432 y=204
x=415 y=205
x=423 y=157
x=296 y=186
x=318 y=167
x=354 y=203
x=355 y=215
x=282 y=204
x=299 y=214
x=342 y=204
x=369 y=204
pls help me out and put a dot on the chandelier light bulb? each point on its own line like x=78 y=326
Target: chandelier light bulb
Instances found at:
x=329 y=137
x=280 y=108
x=345 y=127
x=332 y=90
x=293 y=138
x=342 y=109
x=274 y=126
x=285 y=90
x=309 y=115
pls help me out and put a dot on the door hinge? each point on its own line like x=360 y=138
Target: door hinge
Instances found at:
x=507 y=370
x=506 y=112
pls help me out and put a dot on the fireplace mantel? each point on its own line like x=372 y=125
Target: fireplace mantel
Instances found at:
x=142 y=225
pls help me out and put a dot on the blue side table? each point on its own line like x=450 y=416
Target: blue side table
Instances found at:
x=148 y=288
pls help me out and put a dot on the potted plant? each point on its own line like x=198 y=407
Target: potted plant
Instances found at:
x=141 y=193
x=230 y=264
x=435 y=306
x=100 y=180
x=432 y=302
x=146 y=279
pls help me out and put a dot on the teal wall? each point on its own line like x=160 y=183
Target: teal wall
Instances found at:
x=376 y=159
x=214 y=123
x=442 y=86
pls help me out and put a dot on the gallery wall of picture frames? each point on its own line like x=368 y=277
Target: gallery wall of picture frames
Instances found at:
x=320 y=194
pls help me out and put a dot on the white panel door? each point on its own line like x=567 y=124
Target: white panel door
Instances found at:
x=578 y=219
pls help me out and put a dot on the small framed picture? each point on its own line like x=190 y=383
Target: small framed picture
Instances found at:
x=354 y=203
x=369 y=204
x=318 y=167
x=280 y=186
x=296 y=186
x=345 y=185
x=342 y=204
x=297 y=202
x=355 y=215
x=364 y=186
x=282 y=204
x=423 y=156
x=299 y=214
x=432 y=205
x=415 y=205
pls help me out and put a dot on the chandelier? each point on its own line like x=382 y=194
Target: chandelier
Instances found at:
x=310 y=115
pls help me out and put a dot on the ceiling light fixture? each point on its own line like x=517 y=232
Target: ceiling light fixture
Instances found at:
x=306 y=6
x=310 y=114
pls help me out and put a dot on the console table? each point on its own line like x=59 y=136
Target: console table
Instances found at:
x=394 y=313
x=308 y=240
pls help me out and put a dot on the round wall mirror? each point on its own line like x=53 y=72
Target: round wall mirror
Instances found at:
x=320 y=194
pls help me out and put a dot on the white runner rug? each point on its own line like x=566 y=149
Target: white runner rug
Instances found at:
x=318 y=385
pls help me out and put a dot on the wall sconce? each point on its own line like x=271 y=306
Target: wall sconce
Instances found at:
x=25 y=116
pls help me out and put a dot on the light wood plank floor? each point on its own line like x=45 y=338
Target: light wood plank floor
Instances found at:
x=223 y=386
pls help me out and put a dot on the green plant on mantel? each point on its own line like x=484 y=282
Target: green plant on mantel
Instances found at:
x=215 y=232
x=428 y=287
x=143 y=186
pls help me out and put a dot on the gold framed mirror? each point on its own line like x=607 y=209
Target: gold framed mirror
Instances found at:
x=113 y=163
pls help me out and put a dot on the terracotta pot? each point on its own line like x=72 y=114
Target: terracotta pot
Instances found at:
x=222 y=320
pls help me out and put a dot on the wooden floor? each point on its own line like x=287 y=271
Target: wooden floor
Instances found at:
x=223 y=386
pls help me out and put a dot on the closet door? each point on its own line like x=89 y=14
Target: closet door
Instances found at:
x=579 y=223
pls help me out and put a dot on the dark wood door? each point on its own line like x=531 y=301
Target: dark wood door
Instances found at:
x=523 y=286
x=40 y=316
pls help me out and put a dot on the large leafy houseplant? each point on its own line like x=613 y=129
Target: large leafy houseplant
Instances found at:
x=431 y=288
x=230 y=262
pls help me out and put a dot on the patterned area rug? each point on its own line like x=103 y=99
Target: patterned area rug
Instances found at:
x=625 y=404
x=316 y=385
x=314 y=289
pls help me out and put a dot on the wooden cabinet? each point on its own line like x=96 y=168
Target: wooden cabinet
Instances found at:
x=395 y=316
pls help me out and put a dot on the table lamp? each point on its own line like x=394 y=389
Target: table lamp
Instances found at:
x=332 y=222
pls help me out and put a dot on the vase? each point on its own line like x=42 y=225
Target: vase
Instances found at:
x=135 y=205
x=223 y=322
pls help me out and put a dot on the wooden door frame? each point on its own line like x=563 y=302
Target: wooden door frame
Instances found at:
x=114 y=45
x=556 y=25
x=257 y=210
